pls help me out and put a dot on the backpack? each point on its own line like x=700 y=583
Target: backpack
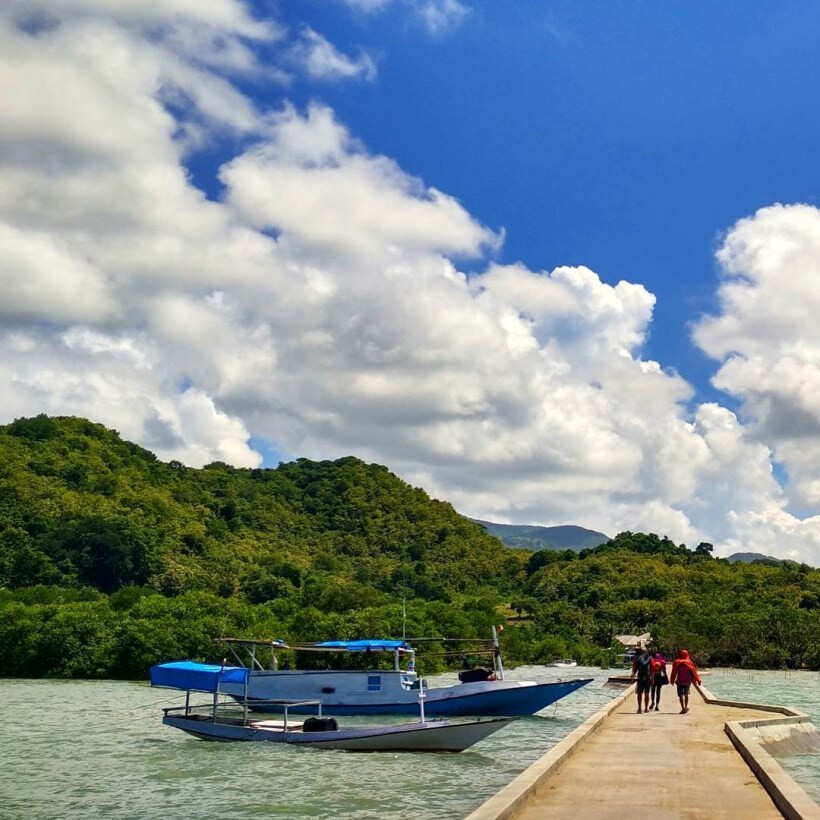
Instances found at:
x=644 y=667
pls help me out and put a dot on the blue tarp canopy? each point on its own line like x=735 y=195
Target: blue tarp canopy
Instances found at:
x=202 y=677
x=362 y=646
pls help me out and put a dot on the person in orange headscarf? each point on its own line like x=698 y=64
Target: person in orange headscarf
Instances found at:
x=684 y=673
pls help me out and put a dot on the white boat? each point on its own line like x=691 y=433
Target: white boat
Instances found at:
x=226 y=720
x=564 y=663
x=389 y=691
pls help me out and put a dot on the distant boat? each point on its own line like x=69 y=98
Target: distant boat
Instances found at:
x=391 y=691
x=230 y=721
x=564 y=663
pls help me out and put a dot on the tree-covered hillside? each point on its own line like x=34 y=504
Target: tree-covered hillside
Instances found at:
x=80 y=506
x=111 y=560
x=731 y=614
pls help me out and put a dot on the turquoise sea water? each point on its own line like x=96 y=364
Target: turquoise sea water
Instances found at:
x=800 y=690
x=96 y=749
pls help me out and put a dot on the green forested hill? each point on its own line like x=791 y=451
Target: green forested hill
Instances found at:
x=138 y=560
x=80 y=506
x=111 y=560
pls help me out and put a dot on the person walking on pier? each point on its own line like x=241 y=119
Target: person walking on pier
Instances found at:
x=642 y=668
x=658 y=681
x=684 y=673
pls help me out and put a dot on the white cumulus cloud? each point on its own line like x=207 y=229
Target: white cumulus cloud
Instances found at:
x=318 y=303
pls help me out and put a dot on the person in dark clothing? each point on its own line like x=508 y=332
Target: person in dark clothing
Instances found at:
x=642 y=671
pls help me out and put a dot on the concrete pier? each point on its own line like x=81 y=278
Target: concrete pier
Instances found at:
x=707 y=763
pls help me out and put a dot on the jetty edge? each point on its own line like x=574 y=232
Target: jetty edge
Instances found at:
x=786 y=793
x=517 y=793
x=747 y=735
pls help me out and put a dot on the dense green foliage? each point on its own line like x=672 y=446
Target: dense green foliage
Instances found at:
x=753 y=615
x=111 y=560
x=79 y=506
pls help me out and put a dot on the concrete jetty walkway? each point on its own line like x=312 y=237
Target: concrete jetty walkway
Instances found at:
x=622 y=764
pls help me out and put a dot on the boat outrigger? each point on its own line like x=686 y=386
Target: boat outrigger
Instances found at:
x=388 y=691
x=226 y=720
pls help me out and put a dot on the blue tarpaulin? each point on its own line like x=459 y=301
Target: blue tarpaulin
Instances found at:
x=362 y=646
x=201 y=677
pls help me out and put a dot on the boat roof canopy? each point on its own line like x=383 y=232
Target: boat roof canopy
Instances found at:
x=368 y=645
x=363 y=645
x=193 y=676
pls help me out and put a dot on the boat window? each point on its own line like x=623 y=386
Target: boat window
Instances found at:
x=374 y=683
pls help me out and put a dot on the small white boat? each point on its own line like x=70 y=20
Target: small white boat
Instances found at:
x=228 y=720
x=564 y=663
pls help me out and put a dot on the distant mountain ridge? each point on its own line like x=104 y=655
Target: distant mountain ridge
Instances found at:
x=751 y=557
x=534 y=537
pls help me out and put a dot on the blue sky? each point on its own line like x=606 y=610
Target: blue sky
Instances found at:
x=627 y=137
x=552 y=262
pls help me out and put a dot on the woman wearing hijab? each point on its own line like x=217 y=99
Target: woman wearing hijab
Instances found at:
x=658 y=681
x=684 y=672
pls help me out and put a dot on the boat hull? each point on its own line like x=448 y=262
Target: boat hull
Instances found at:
x=430 y=736
x=488 y=698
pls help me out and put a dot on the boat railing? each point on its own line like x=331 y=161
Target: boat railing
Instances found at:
x=250 y=648
x=223 y=709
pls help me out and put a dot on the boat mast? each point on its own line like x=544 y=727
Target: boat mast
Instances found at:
x=499 y=666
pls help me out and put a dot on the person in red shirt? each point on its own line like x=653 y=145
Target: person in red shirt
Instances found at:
x=684 y=673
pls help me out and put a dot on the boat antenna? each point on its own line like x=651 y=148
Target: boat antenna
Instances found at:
x=404 y=594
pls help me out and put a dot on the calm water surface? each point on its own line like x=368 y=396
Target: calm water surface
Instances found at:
x=800 y=690
x=97 y=749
